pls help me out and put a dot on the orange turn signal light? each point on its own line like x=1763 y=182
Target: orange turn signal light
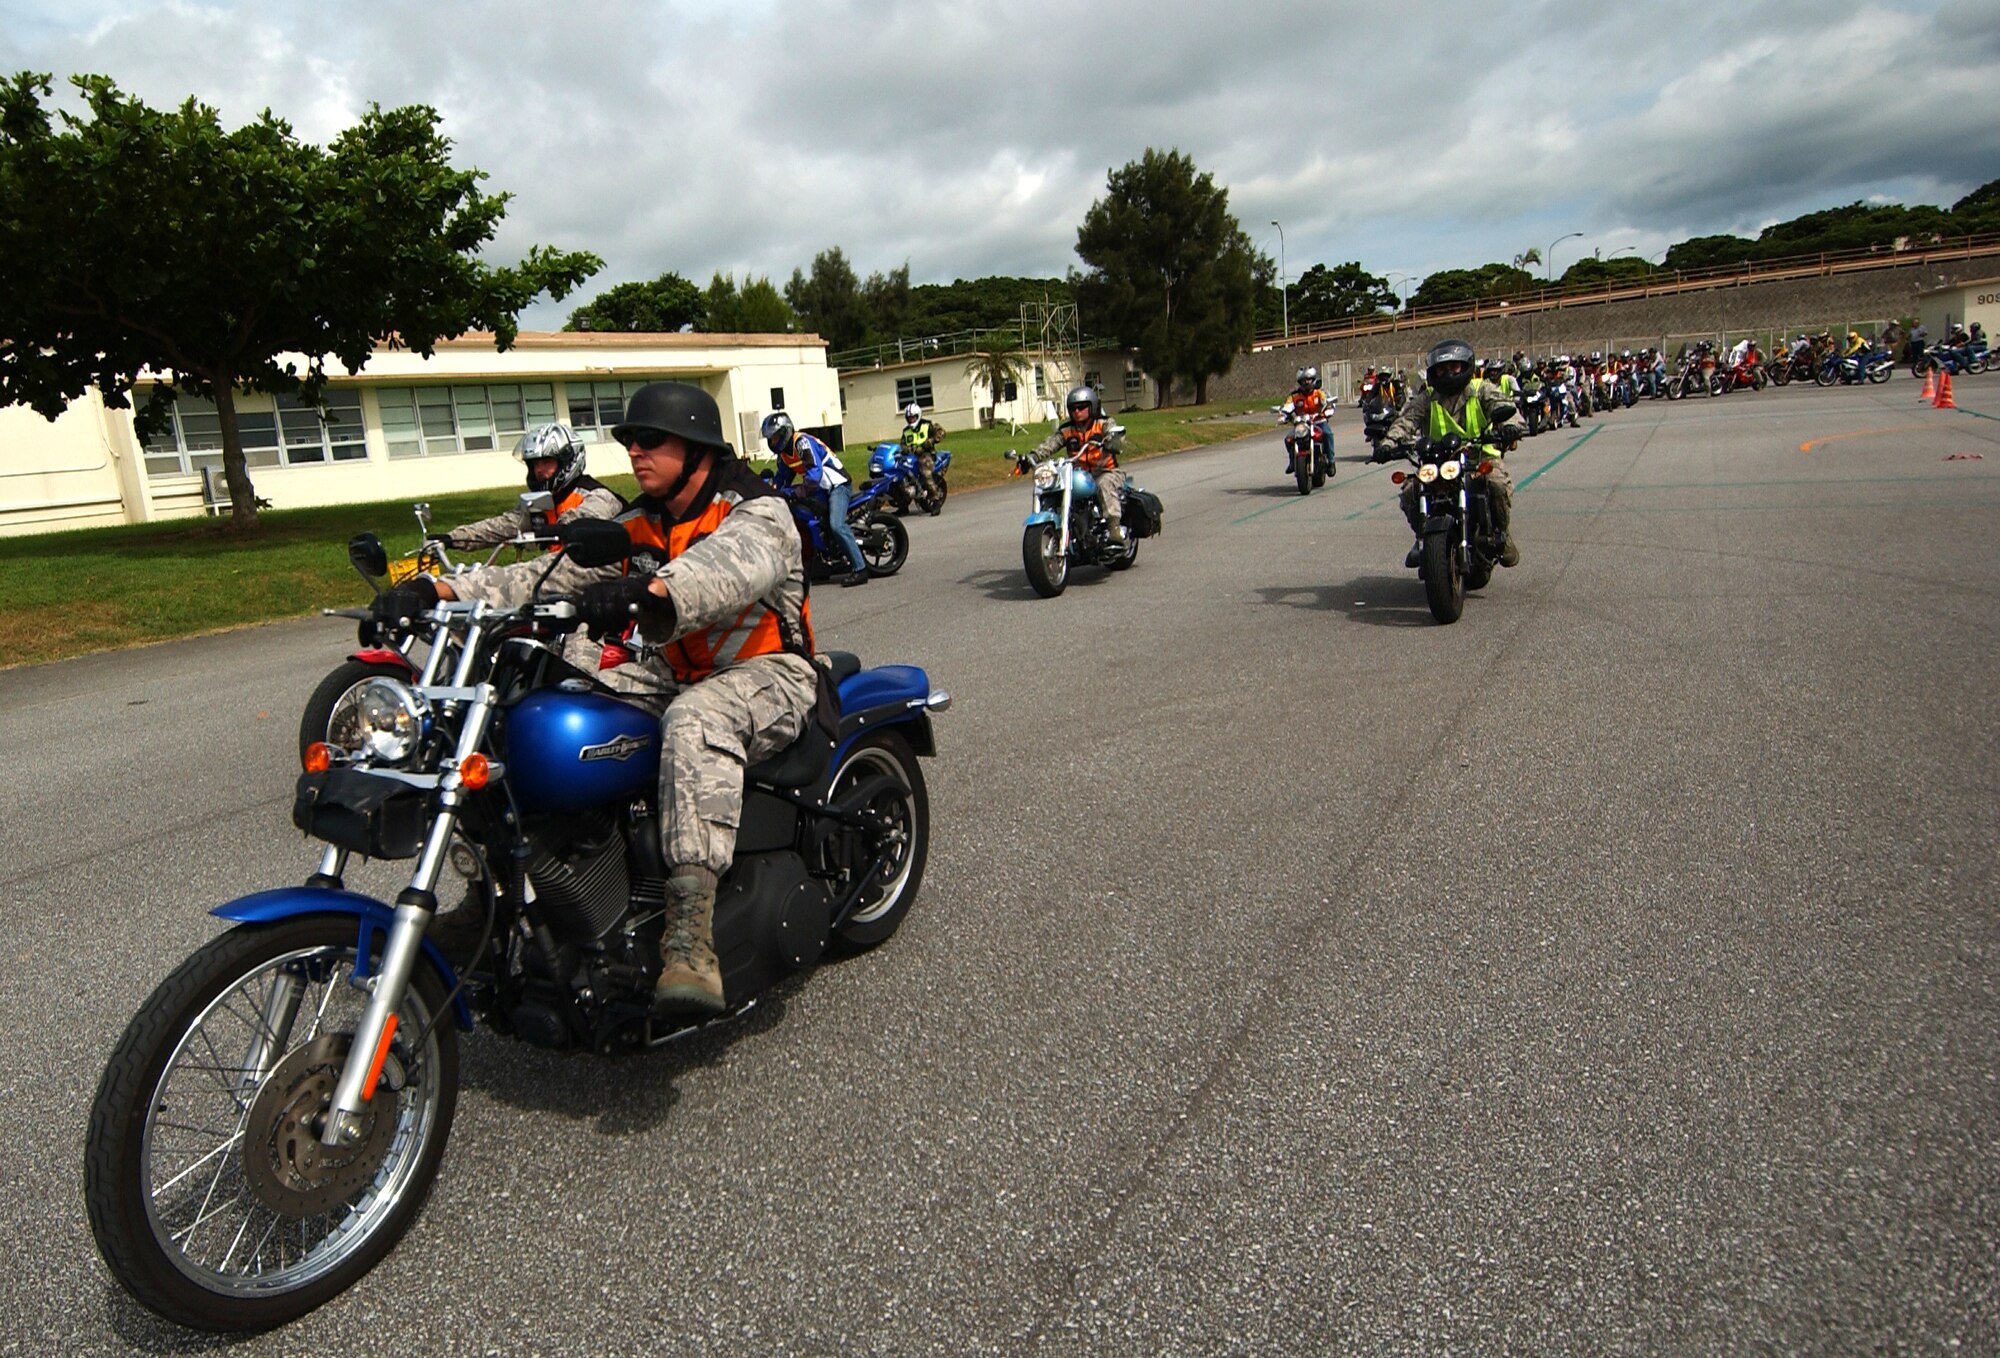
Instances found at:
x=318 y=757
x=1398 y=477
x=1485 y=466
x=474 y=771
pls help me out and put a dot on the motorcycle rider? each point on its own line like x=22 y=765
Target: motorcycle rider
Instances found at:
x=1089 y=438
x=719 y=580
x=1453 y=403
x=555 y=457
x=814 y=464
x=1307 y=399
x=920 y=438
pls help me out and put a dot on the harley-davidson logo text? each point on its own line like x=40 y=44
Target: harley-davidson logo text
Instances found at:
x=622 y=748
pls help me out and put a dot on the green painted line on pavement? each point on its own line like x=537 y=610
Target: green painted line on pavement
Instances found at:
x=1529 y=479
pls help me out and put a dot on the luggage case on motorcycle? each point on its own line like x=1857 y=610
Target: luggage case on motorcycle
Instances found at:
x=1143 y=513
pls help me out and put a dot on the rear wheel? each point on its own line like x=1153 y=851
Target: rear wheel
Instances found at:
x=885 y=544
x=1444 y=587
x=1880 y=373
x=332 y=712
x=210 y=1195
x=880 y=775
x=1123 y=561
x=1042 y=556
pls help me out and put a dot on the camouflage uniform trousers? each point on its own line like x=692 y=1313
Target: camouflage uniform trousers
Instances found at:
x=710 y=733
x=1499 y=486
x=1110 y=495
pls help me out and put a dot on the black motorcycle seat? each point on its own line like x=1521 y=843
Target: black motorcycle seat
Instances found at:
x=801 y=763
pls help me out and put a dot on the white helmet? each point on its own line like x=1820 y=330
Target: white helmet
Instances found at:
x=913 y=412
x=1311 y=377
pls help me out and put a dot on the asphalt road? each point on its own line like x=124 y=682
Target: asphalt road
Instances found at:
x=1611 y=972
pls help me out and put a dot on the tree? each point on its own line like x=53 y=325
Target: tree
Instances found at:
x=1531 y=255
x=142 y=241
x=885 y=304
x=998 y=359
x=1591 y=272
x=660 y=307
x=1337 y=294
x=1172 y=273
x=756 y=310
x=1450 y=287
x=828 y=301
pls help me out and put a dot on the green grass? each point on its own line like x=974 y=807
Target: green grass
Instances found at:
x=96 y=589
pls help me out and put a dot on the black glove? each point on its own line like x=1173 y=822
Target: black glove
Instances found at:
x=444 y=538
x=407 y=600
x=1510 y=439
x=608 y=605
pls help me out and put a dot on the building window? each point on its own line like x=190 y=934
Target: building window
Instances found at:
x=595 y=406
x=777 y=398
x=843 y=400
x=435 y=421
x=1093 y=379
x=916 y=389
x=289 y=435
x=1135 y=384
x=1010 y=391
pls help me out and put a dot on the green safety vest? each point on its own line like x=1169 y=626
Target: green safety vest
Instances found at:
x=1474 y=428
x=913 y=434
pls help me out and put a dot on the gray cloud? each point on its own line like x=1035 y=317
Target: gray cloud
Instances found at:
x=970 y=140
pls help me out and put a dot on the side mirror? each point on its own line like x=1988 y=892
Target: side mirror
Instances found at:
x=365 y=550
x=422 y=509
x=594 y=542
x=536 y=502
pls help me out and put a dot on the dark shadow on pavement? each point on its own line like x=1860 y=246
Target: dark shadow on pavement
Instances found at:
x=1379 y=600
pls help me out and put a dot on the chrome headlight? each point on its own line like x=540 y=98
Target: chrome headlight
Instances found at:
x=391 y=718
x=1427 y=473
x=1449 y=471
x=1045 y=476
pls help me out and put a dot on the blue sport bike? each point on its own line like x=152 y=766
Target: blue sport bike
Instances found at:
x=884 y=542
x=893 y=468
x=271 y=1121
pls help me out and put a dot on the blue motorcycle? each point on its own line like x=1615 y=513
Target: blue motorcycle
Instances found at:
x=884 y=542
x=1954 y=359
x=893 y=468
x=1873 y=366
x=1066 y=525
x=271 y=1121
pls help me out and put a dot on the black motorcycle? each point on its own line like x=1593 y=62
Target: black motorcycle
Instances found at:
x=1460 y=544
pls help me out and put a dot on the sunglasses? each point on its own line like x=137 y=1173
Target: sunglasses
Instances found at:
x=642 y=440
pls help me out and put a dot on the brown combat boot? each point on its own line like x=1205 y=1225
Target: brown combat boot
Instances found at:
x=690 y=977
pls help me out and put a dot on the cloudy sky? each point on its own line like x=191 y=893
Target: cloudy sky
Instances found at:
x=966 y=139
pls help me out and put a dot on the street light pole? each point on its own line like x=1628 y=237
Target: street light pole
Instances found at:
x=1548 y=260
x=1284 y=294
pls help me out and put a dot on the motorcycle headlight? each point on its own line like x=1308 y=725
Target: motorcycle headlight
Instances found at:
x=391 y=717
x=1045 y=476
x=1427 y=473
x=1449 y=471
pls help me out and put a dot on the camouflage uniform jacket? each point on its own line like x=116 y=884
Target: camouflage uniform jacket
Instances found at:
x=587 y=499
x=1413 y=424
x=716 y=582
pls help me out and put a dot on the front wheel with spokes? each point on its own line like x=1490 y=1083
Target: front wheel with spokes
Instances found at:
x=210 y=1193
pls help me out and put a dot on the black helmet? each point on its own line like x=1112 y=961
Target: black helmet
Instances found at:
x=1083 y=396
x=1448 y=366
x=556 y=441
x=676 y=408
x=777 y=431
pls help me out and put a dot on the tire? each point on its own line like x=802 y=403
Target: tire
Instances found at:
x=943 y=494
x=1826 y=374
x=159 y=1107
x=885 y=544
x=1880 y=373
x=1676 y=389
x=1126 y=559
x=1780 y=376
x=1048 y=568
x=333 y=701
x=881 y=772
x=1920 y=368
x=1302 y=472
x=1444 y=587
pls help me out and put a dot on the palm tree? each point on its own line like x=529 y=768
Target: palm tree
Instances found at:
x=997 y=358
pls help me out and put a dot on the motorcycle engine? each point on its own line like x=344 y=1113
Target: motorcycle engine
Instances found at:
x=579 y=875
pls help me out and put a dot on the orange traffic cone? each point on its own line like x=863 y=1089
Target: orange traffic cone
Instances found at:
x=1944 y=401
x=1929 y=393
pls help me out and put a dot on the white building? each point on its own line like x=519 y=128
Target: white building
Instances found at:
x=404 y=427
x=872 y=398
x=1977 y=299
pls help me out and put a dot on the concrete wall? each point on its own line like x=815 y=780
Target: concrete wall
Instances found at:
x=1762 y=309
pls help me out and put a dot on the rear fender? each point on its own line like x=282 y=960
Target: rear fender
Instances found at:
x=371 y=915
x=895 y=696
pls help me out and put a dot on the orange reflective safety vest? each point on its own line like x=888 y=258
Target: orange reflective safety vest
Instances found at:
x=1086 y=445
x=758 y=629
x=1309 y=403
